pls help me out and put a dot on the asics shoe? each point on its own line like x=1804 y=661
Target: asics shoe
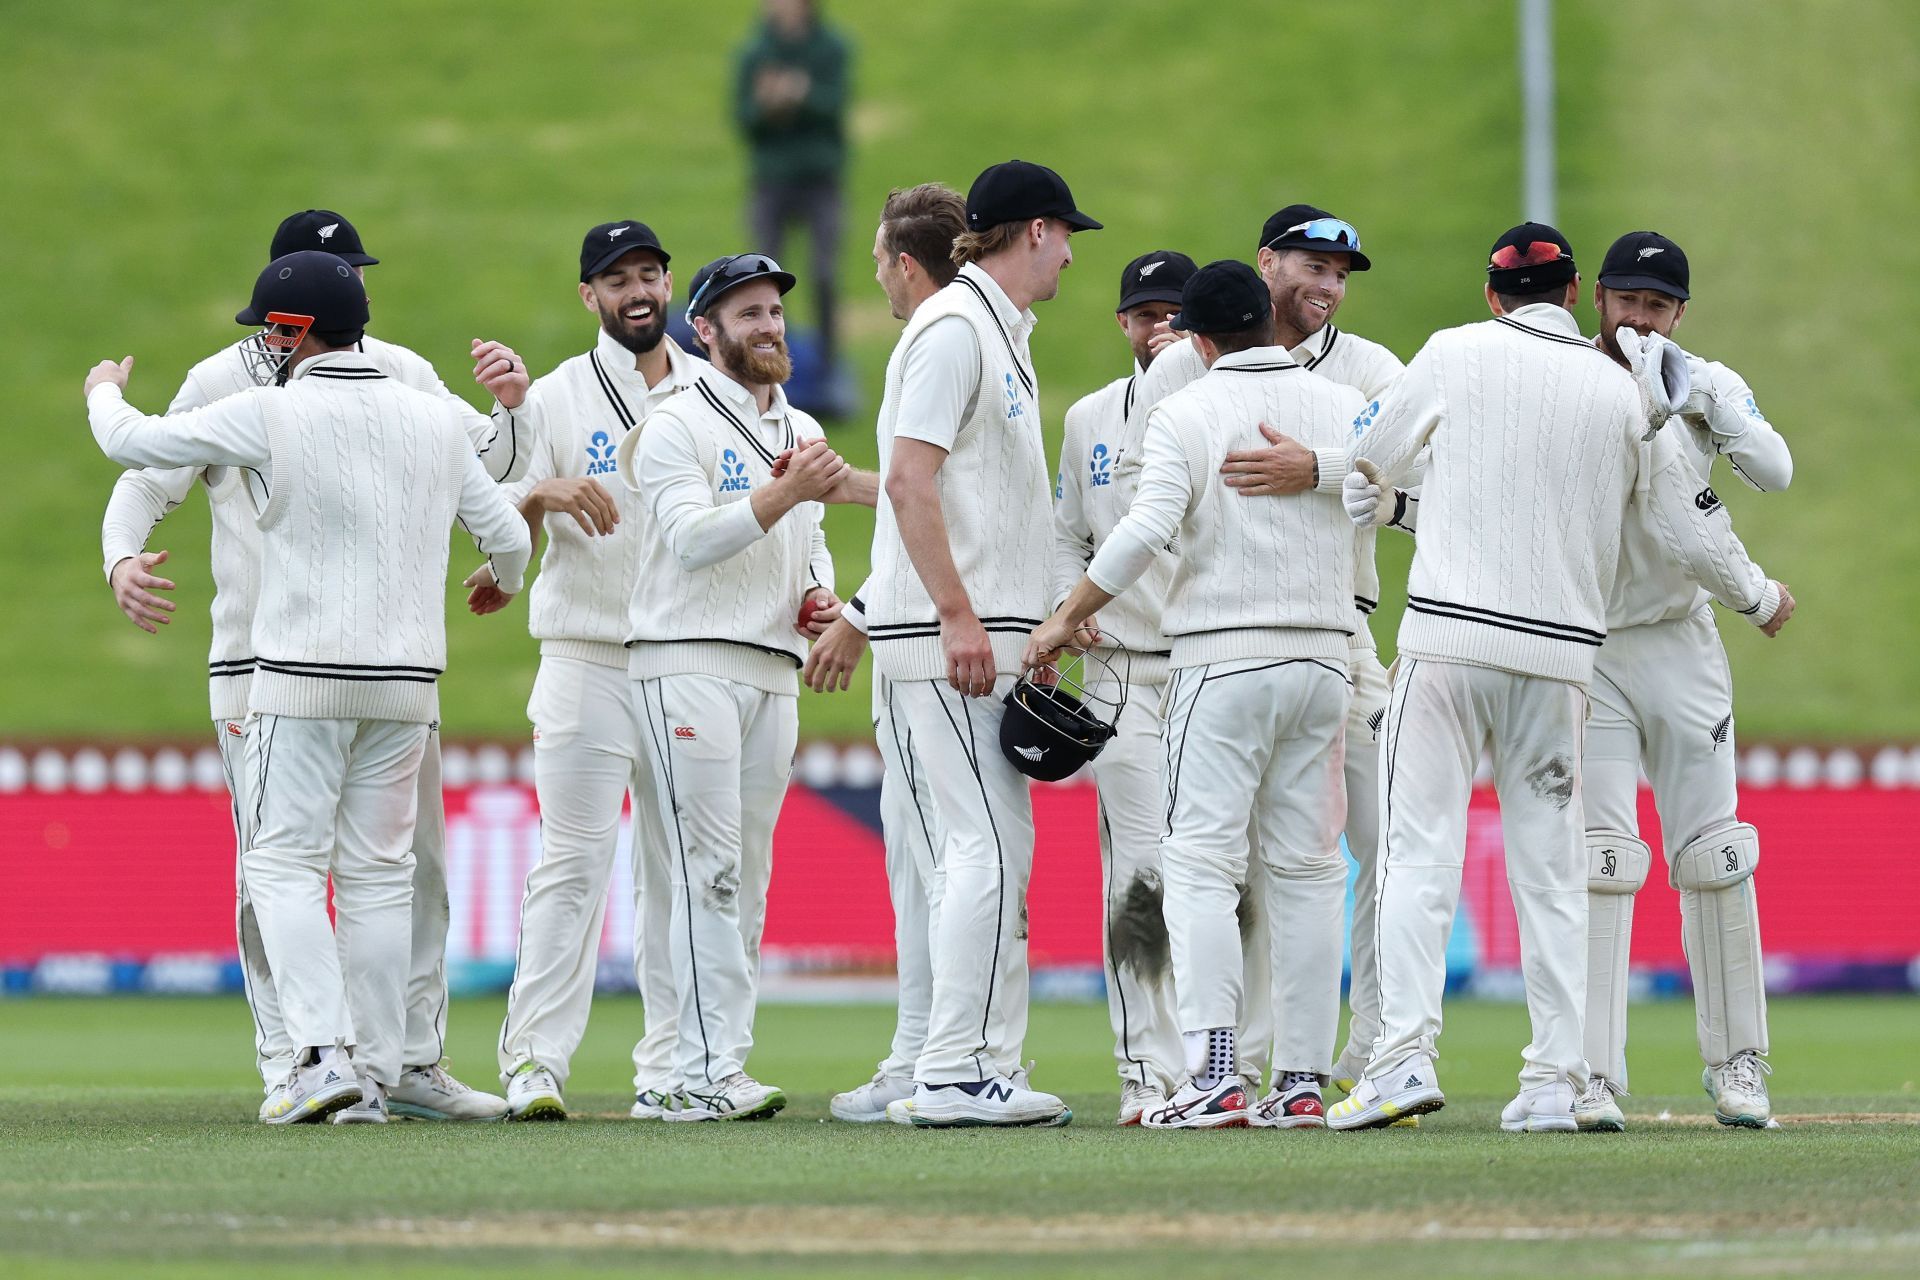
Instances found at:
x=1294 y=1103
x=1224 y=1106
x=737 y=1097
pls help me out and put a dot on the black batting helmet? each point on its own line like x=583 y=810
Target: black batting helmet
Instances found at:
x=1050 y=729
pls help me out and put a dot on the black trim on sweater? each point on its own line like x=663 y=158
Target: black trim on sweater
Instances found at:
x=1013 y=352
x=744 y=644
x=611 y=392
x=1550 y=337
x=1506 y=621
x=1333 y=336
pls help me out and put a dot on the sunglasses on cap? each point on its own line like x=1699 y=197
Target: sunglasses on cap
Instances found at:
x=738 y=269
x=1332 y=230
x=1536 y=253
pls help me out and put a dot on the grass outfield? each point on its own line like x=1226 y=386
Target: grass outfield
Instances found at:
x=125 y=1136
x=472 y=150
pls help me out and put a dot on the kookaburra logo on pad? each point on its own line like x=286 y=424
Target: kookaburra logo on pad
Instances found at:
x=326 y=232
x=1650 y=250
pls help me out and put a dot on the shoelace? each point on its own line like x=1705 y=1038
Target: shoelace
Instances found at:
x=438 y=1074
x=1745 y=1070
x=1597 y=1090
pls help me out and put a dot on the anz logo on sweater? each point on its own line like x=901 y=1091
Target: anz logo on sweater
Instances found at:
x=733 y=473
x=1101 y=466
x=1365 y=420
x=600 y=454
x=1015 y=407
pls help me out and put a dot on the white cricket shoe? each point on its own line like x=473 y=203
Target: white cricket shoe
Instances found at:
x=1222 y=1107
x=1136 y=1099
x=431 y=1093
x=998 y=1102
x=313 y=1092
x=1408 y=1089
x=1738 y=1088
x=1294 y=1103
x=533 y=1094
x=1545 y=1108
x=738 y=1097
x=868 y=1103
x=371 y=1109
x=1595 y=1111
x=272 y=1104
x=655 y=1104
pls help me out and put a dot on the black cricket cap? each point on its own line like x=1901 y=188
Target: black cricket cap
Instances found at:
x=607 y=243
x=1154 y=277
x=1531 y=258
x=722 y=274
x=310 y=283
x=321 y=229
x=1223 y=297
x=1016 y=191
x=1305 y=226
x=1646 y=260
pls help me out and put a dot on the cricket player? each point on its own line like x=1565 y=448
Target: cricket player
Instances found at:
x=586 y=735
x=913 y=260
x=349 y=639
x=143 y=497
x=1662 y=697
x=1100 y=460
x=730 y=554
x=1538 y=443
x=962 y=562
x=1307 y=256
x=1258 y=612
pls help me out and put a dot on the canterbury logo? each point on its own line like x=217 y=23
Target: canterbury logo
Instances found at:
x=1707 y=500
x=1650 y=251
x=1152 y=267
x=684 y=732
x=326 y=232
x=235 y=730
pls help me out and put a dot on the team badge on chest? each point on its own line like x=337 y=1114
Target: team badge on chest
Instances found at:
x=600 y=454
x=733 y=473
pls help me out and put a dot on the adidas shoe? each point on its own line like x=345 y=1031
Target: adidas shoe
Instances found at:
x=371 y=1109
x=1545 y=1108
x=313 y=1091
x=998 y=1102
x=1294 y=1103
x=272 y=1104
x=1136 y=1099
x=738 y=1097
x=1222 y=1107
x=1410 y=1088
x=654 y=1104
x=1595 y=1111
x=431 y=1093
x=533 y=1094
x=1738 y=1088
x=868 y=1103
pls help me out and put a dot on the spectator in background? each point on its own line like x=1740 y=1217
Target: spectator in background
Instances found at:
x=790 y=99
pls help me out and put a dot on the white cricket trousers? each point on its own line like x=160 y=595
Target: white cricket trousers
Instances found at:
x=720 y=753
x=1129 y=779
x=336 y=797
x=977 y=1024
x=1254 y=795
x=586 y=760
x=910 y=828
x=1663 y=694
x=1440 y=716
x=426 y=1032
x=1364 y=719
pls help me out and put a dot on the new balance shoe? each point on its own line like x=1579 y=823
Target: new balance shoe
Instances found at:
x=1294 y=1103
x=371 y=1109
x=998 y=1102
x=1224 y=1106
x=1738 y=1088
x=1545 y=1108
x=1595 y=1111
x=533 y=1094
x=868 y=1103
x=432 y=1093
x=1410 y=1088
x=737 y=1097
x=654 y=1104
x=313 y=1091
x=1136 y=1099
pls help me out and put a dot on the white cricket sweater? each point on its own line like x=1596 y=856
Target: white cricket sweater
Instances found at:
x=993 y=491
x=1721 y=419
x=579 y=603
x=715 y=594
x=362 y=478
x=1534 y=439
x=1339 y=356
x=1253 y=579
x=142 y=497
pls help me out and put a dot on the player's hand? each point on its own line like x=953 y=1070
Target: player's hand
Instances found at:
x=112 y=371
x=1047 y=642
x=1163 y=336
x=1087 y=634
x=970 y=664
x=133 y=588
x=581 y=497
x=826 y=611
x=501 y=372
x=1284 y=467
x=780 y=461
x=813 y=471
x=830 y=664
x=484 y=595
x=1780 y=615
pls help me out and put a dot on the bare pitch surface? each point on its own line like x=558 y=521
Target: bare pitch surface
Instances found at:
x=125 y=1134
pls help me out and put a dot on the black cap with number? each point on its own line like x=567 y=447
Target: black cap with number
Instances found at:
x=1530 y=258
x=321 y=229
x=1646 y=260
x=1018 y=190
x=1223 y=297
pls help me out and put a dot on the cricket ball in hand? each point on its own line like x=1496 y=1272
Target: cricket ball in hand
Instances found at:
x=808 y=607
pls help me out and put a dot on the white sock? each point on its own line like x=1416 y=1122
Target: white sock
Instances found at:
x=331 y=1055
x=1211 y=1056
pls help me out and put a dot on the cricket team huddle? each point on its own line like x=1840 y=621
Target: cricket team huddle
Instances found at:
x=1181 y=606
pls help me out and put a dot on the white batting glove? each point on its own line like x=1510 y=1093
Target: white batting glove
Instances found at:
x=1360 y=493
x=1660 y=371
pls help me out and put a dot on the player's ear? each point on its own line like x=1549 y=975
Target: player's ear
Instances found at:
x=1120 y=318
x=1679 y=314
x=586 y=297
x=1493 y=302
